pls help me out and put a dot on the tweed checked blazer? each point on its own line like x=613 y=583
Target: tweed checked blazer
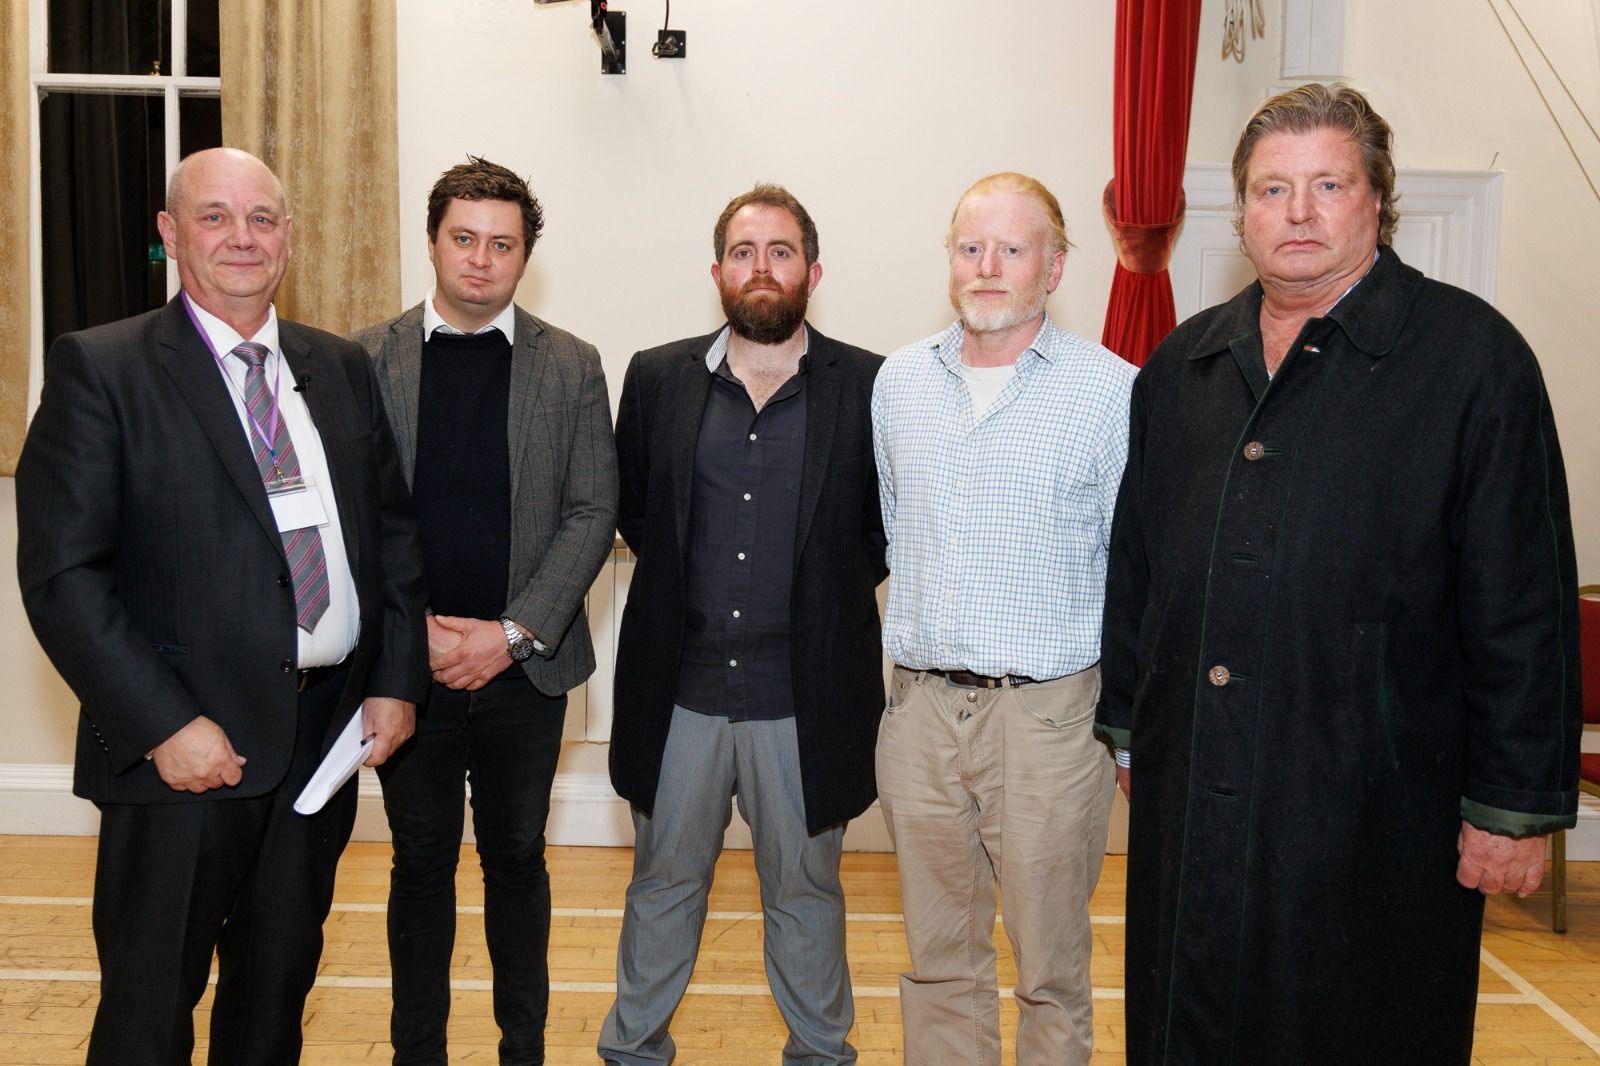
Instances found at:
x=563 y=477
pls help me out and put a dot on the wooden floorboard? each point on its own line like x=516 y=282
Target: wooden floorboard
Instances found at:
x=1540 y=993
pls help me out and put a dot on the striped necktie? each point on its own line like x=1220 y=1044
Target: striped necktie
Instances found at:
x=308 y=567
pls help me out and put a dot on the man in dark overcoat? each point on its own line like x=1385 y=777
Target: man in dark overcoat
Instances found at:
x=748 y=660
x=1340 y=631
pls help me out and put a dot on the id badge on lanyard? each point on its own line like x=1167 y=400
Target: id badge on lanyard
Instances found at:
x=295 y=502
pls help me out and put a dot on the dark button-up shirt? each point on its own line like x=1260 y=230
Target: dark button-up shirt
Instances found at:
x=743 y=510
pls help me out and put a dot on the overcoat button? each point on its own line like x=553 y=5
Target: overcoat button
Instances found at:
x=1219 y=676
x=287 y=666
x=1254 y=450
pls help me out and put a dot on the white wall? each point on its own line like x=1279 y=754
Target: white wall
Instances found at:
x=877 y=115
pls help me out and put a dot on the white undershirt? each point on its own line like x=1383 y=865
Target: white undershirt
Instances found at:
x=338 y=629
x=984 y=384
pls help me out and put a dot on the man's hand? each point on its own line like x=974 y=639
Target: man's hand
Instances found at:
x=441 y=642
x=390 y=722
x=477 y=658
x=1493 y=863
x=1125 y=781
x=198 y=757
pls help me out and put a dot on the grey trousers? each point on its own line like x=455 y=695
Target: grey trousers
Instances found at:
x=707 y=760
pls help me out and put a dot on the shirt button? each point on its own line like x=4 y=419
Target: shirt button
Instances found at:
x=1254 y=450
x=736 y=614
x=752 y=436
x=287 y=666
x=747 y=496
x=741 y=556
x=733 y=662
x=1219 y=675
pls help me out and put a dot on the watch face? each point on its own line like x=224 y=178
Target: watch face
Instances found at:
x=522 y=650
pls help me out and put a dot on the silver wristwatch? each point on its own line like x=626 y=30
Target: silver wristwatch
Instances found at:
x=519 y=647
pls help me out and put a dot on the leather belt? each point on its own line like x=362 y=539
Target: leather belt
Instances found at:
x=311 y=675
x=968 y=679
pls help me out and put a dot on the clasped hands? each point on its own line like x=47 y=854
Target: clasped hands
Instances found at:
x=466 y=653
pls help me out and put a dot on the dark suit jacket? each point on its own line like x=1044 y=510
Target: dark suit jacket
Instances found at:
x=838 y=564
x=563 y=477
x=151 y=568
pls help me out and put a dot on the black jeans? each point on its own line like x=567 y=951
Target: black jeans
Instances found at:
x=505 y=739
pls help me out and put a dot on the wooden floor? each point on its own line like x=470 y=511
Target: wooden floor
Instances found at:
x=1539 y=998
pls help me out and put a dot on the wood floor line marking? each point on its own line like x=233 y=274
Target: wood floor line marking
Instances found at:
x=555 y=912
x=1550 y=1007
x=1527 y=993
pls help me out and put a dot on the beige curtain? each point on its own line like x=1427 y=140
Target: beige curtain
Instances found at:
x=16 y=323
x=309 y=86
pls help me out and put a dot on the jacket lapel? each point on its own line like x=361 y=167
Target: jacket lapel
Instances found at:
x=324 y=410
x=687 y=408
x=527 y=373
x=194 y=371
x=400 y=376
x=822 y=414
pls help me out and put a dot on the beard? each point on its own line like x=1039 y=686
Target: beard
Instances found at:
x=1020 y=308
x=765 y=312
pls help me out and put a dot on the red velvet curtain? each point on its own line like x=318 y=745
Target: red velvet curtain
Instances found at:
x=1156 y=45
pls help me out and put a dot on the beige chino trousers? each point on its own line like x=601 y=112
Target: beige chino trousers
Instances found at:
x=1004 y=785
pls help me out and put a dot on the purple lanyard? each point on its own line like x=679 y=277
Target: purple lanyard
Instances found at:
x=262 y=432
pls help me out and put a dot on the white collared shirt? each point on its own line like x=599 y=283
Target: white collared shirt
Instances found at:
x=339 y=627
x=505 y=321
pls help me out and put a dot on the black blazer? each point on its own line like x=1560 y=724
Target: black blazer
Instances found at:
x=151 y=568
x=839 y=562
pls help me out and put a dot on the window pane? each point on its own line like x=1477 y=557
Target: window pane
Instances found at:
x=90 y=37
x=102 y=167
x=202 y=46
x=200 y=123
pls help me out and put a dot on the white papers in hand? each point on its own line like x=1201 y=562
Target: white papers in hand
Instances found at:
x=338 y=766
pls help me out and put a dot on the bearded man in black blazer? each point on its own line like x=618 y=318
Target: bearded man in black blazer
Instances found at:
x=216 y=551
x=749 y=660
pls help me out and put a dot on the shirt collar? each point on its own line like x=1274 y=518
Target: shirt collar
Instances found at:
x=1371 y=312
x=947 y=345
x=717 y=354
x=505 y=321
x=224 y=338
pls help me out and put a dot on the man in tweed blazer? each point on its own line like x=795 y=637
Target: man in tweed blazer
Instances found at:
x=504 y=434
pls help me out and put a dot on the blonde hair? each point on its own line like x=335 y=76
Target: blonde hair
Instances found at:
x=1312 y=107
x=1010 y=181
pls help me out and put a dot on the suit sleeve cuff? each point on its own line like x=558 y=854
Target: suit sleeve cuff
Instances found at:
x=1110 y=734
x=1513 y=823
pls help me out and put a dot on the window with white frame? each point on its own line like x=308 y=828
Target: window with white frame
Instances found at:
x=124 y=91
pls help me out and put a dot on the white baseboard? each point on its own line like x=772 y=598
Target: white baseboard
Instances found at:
x=37 y=799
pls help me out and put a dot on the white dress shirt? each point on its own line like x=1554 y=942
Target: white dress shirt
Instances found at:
x=505 y=321
x=339 y=627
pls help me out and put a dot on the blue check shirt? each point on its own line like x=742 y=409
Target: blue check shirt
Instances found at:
x=998 y=527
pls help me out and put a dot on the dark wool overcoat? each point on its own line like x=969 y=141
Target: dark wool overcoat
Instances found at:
x=838 y=564
x=1341 y=616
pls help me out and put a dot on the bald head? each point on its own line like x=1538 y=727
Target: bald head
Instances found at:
x=195 y=168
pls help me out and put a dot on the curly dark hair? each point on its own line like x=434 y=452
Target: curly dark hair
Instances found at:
x=479 y=179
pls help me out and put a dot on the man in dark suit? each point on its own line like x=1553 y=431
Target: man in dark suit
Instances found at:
x=504 y=434
x=216 y=551
x=749 y=659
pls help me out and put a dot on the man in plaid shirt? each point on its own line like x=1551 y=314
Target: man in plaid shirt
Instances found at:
x=1000 y=444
